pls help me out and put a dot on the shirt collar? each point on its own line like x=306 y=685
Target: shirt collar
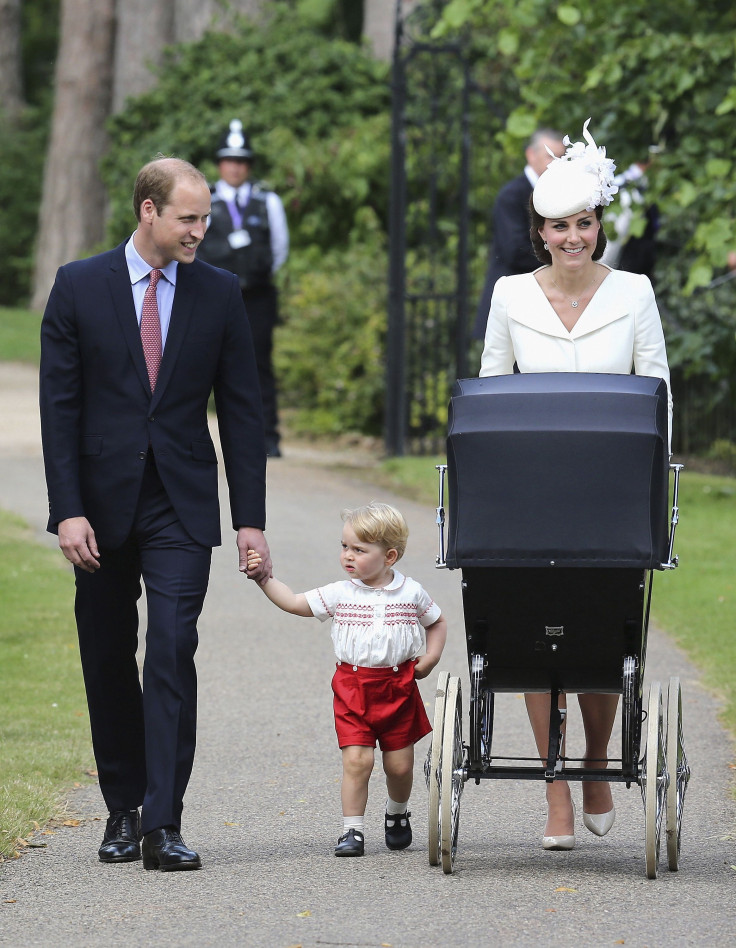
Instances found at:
x=531 y=175
x=228 y=193
x=139 y=269
x=396 y=583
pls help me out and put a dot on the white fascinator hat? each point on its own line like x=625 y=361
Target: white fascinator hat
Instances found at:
x=581 y=180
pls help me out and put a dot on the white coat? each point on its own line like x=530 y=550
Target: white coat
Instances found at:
x=619 y=330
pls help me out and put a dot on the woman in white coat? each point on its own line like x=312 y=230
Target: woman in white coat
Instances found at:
x=575 y=314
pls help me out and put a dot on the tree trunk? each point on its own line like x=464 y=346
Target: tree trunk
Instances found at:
x=71 y=219
x=193 y=17
x=378 y=26
x=144 y=28
x=11 y=79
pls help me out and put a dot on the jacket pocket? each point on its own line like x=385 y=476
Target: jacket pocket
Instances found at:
x=204 y=451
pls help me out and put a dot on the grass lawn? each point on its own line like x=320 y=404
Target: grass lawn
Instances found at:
x=44 y=730
x=696 y=603
x=19 y=335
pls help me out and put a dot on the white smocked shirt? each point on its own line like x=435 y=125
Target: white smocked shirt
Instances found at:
x=375 y=627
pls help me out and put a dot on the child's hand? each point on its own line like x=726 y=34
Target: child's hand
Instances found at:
x=254 y=561
x=424 y=665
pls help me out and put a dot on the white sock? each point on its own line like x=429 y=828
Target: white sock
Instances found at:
x=396 y=809
x=352 y=822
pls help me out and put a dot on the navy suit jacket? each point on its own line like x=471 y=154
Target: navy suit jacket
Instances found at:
x=511 y=250
x=98 y=416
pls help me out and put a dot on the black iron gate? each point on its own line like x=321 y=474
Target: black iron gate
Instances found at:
x=428 y=280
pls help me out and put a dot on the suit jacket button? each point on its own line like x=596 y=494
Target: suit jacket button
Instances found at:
x=142 y=455
x=151 y=418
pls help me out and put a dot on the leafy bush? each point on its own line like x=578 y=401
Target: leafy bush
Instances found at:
x=329 y=352
x=303 y=97
x=22 y=149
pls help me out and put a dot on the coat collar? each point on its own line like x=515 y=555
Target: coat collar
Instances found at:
x=534 y=310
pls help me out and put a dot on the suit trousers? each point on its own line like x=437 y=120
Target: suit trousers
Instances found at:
x=144 y=736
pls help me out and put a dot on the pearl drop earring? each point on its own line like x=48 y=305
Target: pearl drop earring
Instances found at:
x=546 y=245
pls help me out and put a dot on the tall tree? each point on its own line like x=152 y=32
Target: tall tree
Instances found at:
x=143 y=29
x=11 y=81
x=73 y=199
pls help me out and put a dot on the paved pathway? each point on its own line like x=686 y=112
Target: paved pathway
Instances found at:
x=263 y=803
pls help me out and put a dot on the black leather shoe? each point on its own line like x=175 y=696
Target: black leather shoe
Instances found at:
x=350 y=844
x=398 y=830
x=164 y=849
x=121 y=842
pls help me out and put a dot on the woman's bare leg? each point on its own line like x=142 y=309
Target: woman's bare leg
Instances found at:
x=560 y=817
x=599 y=713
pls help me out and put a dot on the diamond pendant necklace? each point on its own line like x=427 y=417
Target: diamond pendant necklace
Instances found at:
x=574 y=303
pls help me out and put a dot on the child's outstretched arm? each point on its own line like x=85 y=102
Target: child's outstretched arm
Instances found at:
x=436 y=638
x=279 y=593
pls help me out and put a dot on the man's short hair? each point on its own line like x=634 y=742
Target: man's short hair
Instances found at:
x=156 y=181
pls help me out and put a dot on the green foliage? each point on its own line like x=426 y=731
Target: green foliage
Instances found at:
x=302 y=96
x=22 y=149
x=329 y=352
x=648 y=75
x=39 y=41
x=724 y=451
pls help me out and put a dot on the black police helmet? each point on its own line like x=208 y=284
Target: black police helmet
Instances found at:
x=235 y=143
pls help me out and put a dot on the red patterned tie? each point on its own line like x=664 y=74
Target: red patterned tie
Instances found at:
x=151 y=329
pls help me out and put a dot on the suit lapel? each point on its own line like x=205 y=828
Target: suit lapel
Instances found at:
x=122 y=299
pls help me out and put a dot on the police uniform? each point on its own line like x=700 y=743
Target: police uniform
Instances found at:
x=248 y=235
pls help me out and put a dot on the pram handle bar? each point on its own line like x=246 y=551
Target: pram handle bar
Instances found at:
x=440 y=562
x=672 y=561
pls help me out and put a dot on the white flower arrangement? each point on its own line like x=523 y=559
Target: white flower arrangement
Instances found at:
x=593 y=161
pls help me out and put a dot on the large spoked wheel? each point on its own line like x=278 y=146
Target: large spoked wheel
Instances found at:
x=481 y=715
x=452 y=779
x=432 y=768
x=678 y=770
x=654 y=780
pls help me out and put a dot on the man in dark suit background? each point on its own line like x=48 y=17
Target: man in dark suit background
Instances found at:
x=511 y=249
x=131 y=472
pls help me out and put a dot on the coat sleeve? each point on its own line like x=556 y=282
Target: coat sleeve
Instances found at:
x=498 y=351
x=60 y=396
x=650 y=353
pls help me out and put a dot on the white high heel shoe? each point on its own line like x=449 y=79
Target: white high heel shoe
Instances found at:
x=600 y=823
x=561 y=842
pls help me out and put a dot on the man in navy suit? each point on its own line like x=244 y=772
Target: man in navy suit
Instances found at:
x=131 y=472
x=511 y=249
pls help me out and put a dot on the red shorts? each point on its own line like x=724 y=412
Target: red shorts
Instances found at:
x=378 y=705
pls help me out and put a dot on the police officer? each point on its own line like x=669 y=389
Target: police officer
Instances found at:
x=249 y=236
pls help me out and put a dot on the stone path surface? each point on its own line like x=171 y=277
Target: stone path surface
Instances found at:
x=263 y=804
